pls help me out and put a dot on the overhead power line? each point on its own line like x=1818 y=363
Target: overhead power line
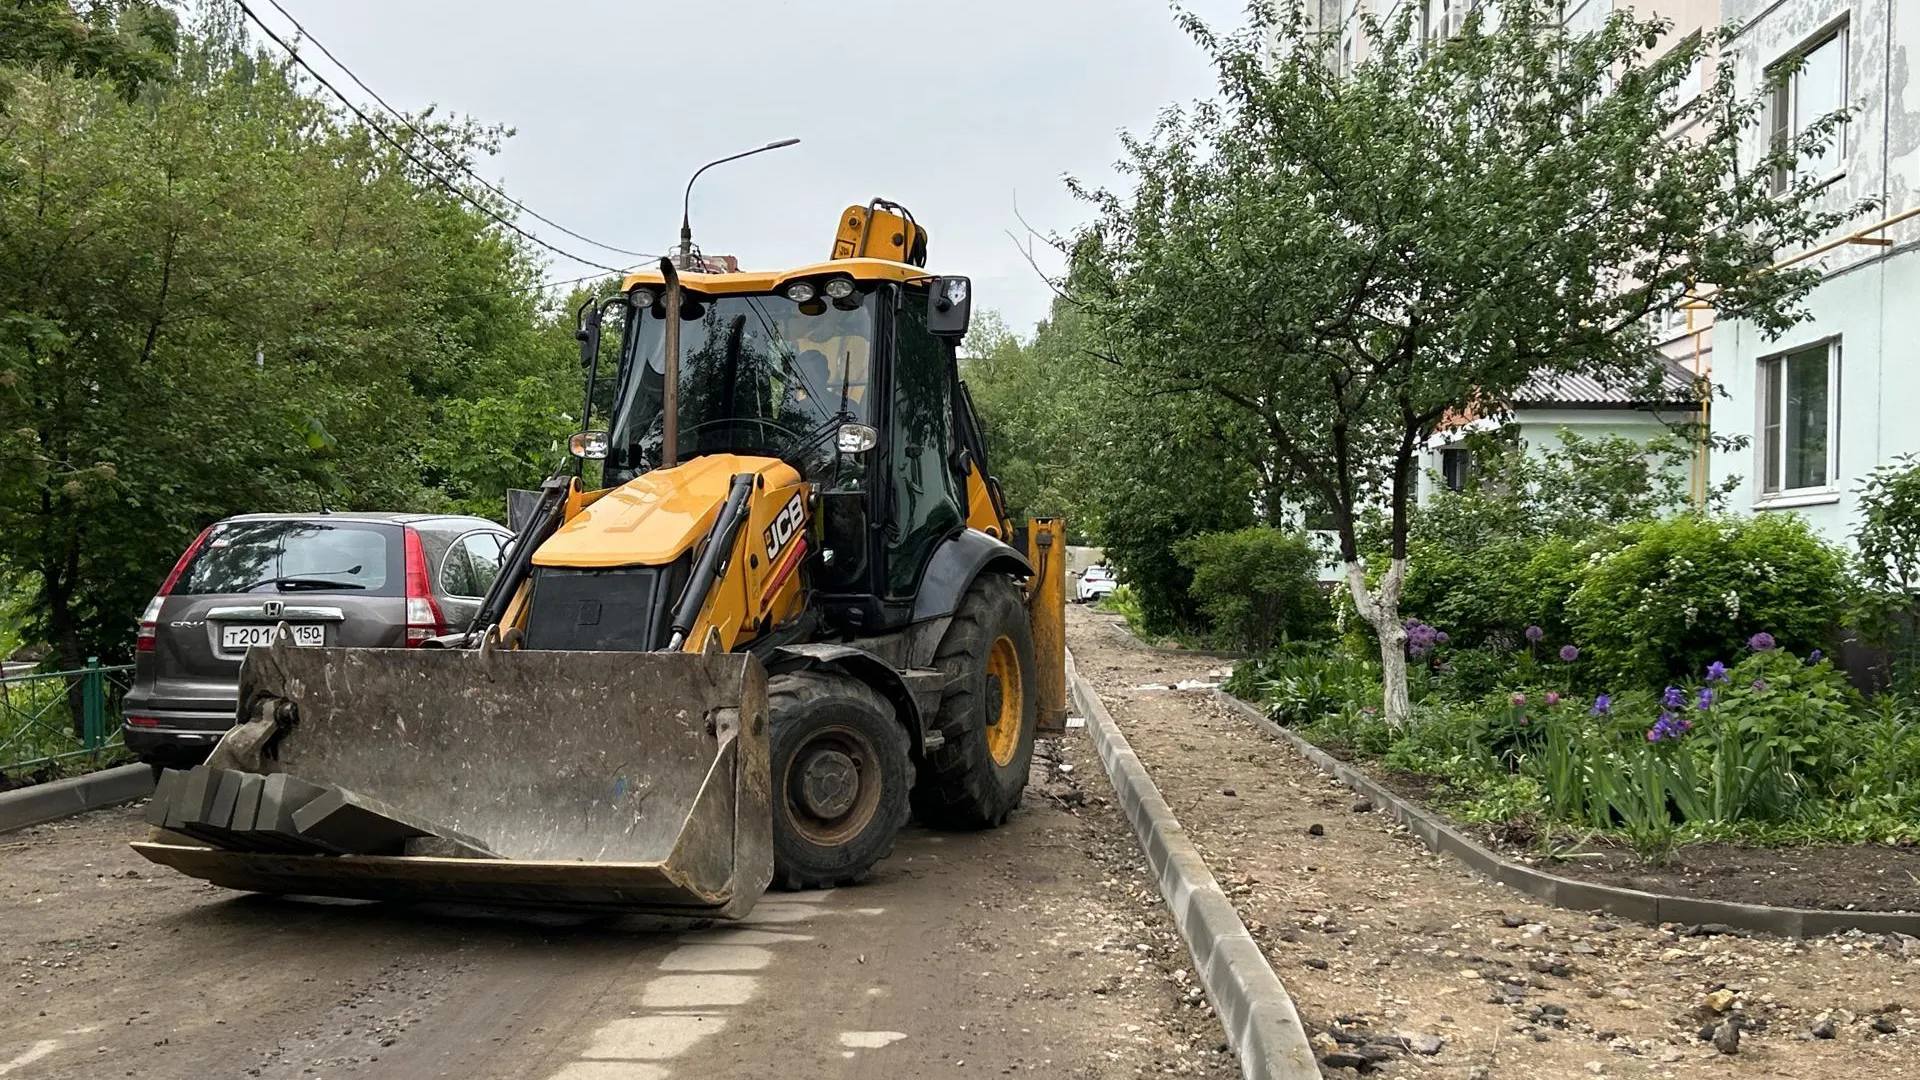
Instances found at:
x=453 y=188
x=451 y=157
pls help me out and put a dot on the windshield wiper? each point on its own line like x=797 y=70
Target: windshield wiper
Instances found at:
x=308 y=582
x=315 y=583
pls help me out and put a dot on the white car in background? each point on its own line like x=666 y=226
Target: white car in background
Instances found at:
x=1095 y=582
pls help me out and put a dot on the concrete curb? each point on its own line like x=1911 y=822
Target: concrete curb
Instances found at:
x=1259 y=1018
x=1645 y=907
x=56 y=799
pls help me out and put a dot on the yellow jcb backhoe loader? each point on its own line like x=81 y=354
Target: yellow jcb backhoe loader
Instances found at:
x=776 y=606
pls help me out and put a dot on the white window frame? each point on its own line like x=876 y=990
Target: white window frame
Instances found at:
x=1773 y=448
x=1786 y=97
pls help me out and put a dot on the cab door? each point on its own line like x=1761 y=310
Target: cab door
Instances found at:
x=925 y=498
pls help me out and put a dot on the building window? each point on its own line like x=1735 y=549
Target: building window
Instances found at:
x=1818 y=87
x=1456 y=465
x=1797 y=394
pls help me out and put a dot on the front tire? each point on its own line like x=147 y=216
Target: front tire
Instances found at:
x=840 y=777
x=988 y=712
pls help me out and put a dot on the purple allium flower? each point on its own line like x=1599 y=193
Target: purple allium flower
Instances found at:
x=1552 y=699
x=1534 y=634
x=1761 y=642
x=1705 y=699
x=1673 y=698
x=1519 y=699
x=1441 y=637
x=1814 y=656
x=1421 y=638
x=1569 y=653
x=1716 y=672
x=1602 y=704
x=1759 y=685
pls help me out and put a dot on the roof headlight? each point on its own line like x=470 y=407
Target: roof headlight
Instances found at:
x=801 y=291
x=839 y=288
x=641 y=296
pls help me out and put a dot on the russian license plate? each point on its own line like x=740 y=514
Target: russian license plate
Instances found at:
x=309 y=635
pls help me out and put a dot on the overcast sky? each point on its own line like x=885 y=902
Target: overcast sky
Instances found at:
x=954 y=108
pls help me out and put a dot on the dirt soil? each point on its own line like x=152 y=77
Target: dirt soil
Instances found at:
x=1036 y=949
x=1391 y=951
x=1867 y=877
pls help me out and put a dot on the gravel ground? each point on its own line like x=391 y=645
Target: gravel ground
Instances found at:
x=1039 y=948
x=1404 y=963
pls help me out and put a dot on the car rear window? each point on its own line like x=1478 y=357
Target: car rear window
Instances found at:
x=297 y=556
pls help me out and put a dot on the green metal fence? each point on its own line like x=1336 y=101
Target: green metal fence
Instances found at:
x=37 y=716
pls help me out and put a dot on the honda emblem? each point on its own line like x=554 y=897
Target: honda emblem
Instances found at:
x=273 y=608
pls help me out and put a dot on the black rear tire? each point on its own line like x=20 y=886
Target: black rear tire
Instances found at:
x=965 y=784
x=841 y=771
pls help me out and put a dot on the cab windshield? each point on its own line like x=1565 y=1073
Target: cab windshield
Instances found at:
x=758 y=375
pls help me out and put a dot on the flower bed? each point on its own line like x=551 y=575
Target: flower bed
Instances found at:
x=1762 y=749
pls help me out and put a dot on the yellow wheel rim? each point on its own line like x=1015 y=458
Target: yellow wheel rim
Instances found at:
x=1004 y=698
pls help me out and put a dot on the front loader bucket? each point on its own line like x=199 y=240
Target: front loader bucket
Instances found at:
x=630 y=781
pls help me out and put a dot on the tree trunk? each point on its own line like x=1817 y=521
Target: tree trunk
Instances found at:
x=1381 y=609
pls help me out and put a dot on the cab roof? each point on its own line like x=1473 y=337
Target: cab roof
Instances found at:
x=767 y=281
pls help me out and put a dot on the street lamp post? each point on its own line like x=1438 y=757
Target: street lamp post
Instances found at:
x=684 y=257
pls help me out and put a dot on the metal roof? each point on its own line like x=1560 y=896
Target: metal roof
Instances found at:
x=1584 y=391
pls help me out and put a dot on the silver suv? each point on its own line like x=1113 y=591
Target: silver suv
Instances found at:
x=362 y=580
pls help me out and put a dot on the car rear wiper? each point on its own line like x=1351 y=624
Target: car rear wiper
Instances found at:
x=304 y=583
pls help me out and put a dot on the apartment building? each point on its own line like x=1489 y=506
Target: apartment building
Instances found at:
x=1839 y=394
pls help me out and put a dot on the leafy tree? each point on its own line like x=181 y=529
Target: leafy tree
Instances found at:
x=1887 y=540
x=1069 y=434
x=227 y=298
x=129 y=43
x=1351 y=259
x=1036 y=400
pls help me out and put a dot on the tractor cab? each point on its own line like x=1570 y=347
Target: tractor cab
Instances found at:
x=845 y=370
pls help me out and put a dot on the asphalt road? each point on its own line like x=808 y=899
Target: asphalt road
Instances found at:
x=1035 y=948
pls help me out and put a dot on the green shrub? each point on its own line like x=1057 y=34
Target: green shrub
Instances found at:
x=1257 y=586
x=1304 y=684
x=1123 y=601
x=1488 y=594
x=1661 y=599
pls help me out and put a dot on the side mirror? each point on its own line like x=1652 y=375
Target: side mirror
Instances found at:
x=587 y=332
x=855 y=438
x=588 y=446
x=949 y=307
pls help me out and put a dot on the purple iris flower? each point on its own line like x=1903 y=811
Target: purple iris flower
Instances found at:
x=1673 y=698
x=1602 y=704
x=1716 y=672
x=1668 y=726
x=1705 y=699
x=1814 y=656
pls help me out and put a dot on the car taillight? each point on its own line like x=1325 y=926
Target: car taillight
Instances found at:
x=423 y=612
x=144 y=721
x=150 y=619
